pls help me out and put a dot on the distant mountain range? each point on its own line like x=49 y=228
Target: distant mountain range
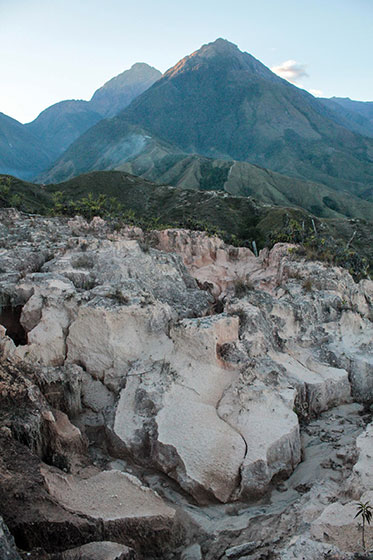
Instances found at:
x=21 y=153
x=118 y=92
x=62 y=123
x=218 y=120
x=25 y=150
x=357 y=115
x=224 y=104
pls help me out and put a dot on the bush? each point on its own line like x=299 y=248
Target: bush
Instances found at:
x=315 y=245
x=242 y=287
x=83 y=261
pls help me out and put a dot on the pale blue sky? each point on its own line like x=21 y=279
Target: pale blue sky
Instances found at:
x=52 y=50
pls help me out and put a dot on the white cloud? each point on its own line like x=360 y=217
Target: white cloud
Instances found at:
x=291 y=70
x=316 y=92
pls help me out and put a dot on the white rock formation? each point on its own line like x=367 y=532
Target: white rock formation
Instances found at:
x=188 y=439
x=337 y=525
x=108 y=495
x=123 y=505
x=362 y=477
x=211 y=400
x=104 y=550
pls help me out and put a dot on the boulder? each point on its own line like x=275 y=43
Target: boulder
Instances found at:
x=104 y=550
x=337 y=525
x=270 y=430
x=128 y=511
x=170 y=410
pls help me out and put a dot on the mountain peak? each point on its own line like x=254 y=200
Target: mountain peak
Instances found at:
x=118 y=92
x=142 y=66
x=224 y=56
x=220 y=46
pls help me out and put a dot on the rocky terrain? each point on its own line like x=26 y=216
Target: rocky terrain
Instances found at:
x=165 y=395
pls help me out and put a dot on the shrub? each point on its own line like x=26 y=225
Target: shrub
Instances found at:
x=307 y=285
x=242 y=287
x=83 y=261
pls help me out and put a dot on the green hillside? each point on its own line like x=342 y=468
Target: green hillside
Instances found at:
x=124 y=198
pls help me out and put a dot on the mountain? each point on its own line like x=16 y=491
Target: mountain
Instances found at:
x=145 y=155
x=21 y=153
x=62 y=123
x=356 y=115
x=240 y=178
x=363 y=108
x=26 y=150
x=222 y=103
x=118 y=92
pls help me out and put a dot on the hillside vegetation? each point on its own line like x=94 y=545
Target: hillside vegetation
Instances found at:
x=124 y=198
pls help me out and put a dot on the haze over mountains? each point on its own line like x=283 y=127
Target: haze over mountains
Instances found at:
x=357 y=115
x=118 y=92
x=28 y=149
x=208 y=123
x=62 y=123
x=21 y=153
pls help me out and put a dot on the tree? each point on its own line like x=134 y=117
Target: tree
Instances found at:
x=365 y=511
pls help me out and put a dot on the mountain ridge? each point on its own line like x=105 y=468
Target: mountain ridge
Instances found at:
x=242 y=111
x=60 y=124
x=20 y=149
x=119 y=91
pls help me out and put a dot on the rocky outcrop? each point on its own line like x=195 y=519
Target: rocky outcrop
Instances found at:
x=104 y=550
x=186 y=360
x=8 y=550
x=338 y=524
x=173 y=410
x=363 y=472
x=127 y=511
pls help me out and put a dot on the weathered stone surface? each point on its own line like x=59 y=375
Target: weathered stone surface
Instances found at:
x=319 y=386
x=187 y=438
x=352 y=347
x=208 y=259
x=302 y=548
x=136 y=515
x=109 y=495
x=363 y=468
x=193 y=552
x=104 y=550
x=8 y=550
x=67 y=437
x=106 y=341
x=120 y=347
x=270 y=429
x=240 y=550
x=32 y=515
x=7 y=345
x=338 y=525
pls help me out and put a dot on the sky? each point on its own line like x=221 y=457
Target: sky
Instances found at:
x=51 y=50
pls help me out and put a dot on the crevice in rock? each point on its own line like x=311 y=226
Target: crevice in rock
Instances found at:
x=10 y=318
x=238 y=488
